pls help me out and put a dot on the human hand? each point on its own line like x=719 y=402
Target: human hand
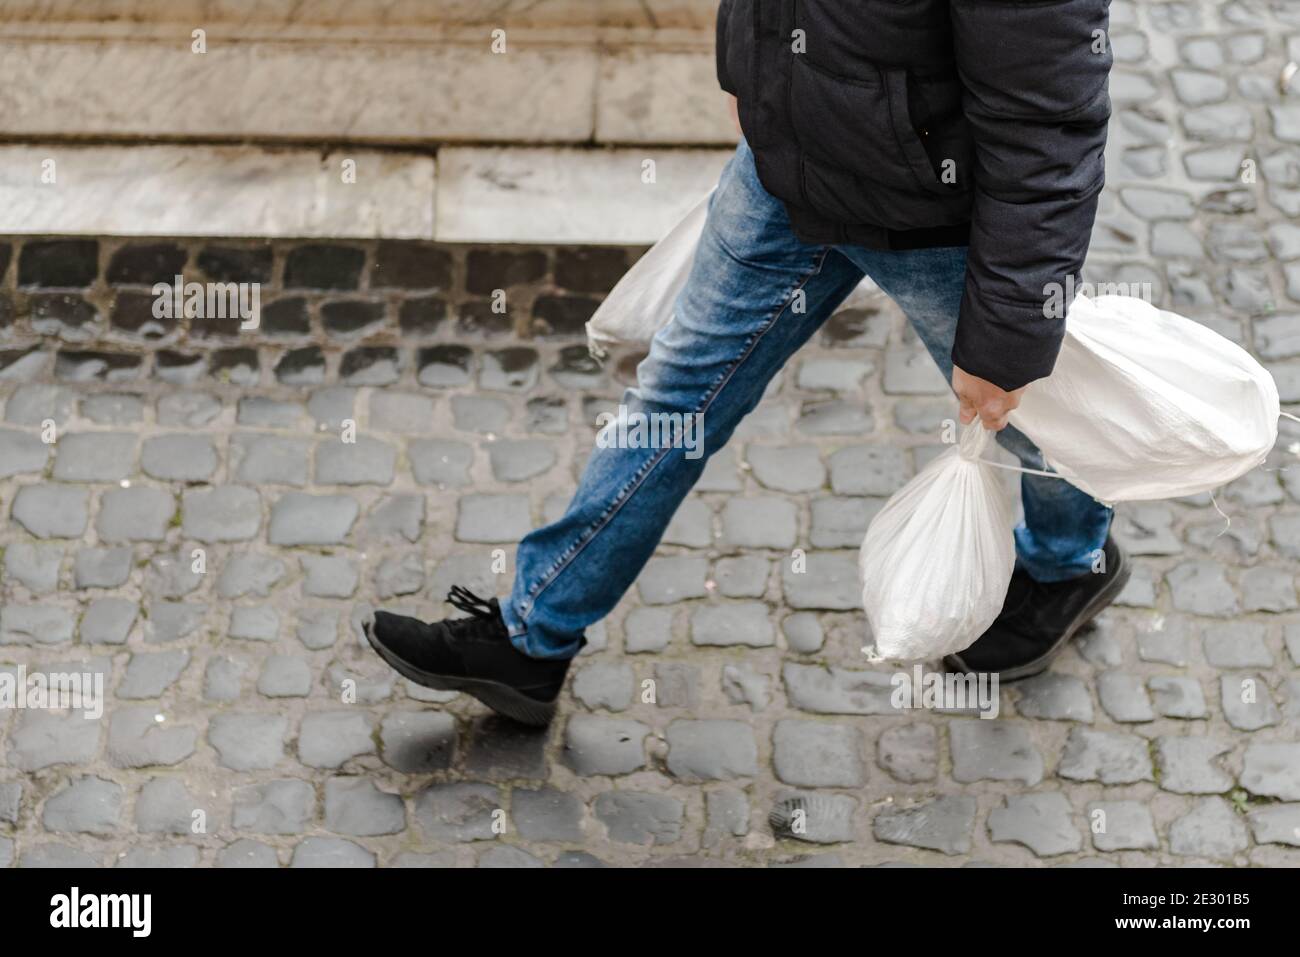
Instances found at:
x=979 y=397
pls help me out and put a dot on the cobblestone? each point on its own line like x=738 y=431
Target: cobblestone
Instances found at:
x=1043 y=822
x=811 y=754
x=944 y=824
x=201 y=527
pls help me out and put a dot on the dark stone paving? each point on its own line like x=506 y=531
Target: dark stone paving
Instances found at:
x=196 y=513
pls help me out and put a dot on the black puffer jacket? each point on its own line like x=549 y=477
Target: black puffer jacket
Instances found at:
x=908 y=123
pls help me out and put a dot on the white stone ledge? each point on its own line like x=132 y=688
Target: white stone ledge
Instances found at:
x=658 y=96
x=494 y=195
x=357 y=15
x=267 y=91
x=214 y=191
x=478 y=194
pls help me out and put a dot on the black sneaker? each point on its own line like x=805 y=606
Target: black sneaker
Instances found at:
x=1037 y=620
x=473 y=655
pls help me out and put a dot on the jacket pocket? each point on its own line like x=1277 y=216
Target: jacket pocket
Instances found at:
x=933 y=145
x=845 y=122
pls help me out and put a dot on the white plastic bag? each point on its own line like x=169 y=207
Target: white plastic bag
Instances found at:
x=937 y=559
x=1144 y=404
x=642 y=301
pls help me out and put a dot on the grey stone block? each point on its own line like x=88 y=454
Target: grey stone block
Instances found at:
x=1210 y=830
x=52 y=511
x=301 y=519
x=285 y=676
x=1272 y=769
x=837 y=690
x=633 y=817
x=21 y=453
x=1043 y=822
x=459 y=812
x=733 y=623
x=247 y=742
x=102 y=567
x=493 y=518
x=666 y=581
x=416 y=742
x=355 y=806
x=366 y=461
x=816 y=754
x=703 y=750
x=270 y=459
x=1124 y=697
x=1187 y=765
x=179 y=458
x=647 y=630
x=546 y=814
x=135 y=514
x=743 y=685
x=944 y=824
x=34 y=565
x=993 y=751
x=328 y=739
x=284 y=806
x=250 y=574
x=44 y=739
x=1121 y=826
x=1054 y=696
x=88 y=805
x=1105 y=757
x=227 y=513
x=95 y=457
x=765 y=522
x=150 y=674
x=35 y=625
x=165 y=806
x=604 y=685
x=596 y=745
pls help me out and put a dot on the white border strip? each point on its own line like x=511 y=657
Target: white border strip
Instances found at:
x=629 y=196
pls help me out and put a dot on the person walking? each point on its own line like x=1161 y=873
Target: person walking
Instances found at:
x=950 y=150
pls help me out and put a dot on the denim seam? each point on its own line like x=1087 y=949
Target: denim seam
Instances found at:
x=566 y=558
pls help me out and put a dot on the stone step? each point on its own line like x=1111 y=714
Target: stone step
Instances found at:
x=519 y=194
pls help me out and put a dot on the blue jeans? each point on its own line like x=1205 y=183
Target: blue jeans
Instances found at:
x=735 y=324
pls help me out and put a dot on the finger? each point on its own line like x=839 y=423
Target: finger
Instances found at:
x=995 y=409
x=991 y=413
x=967 y=413
x=994 y=423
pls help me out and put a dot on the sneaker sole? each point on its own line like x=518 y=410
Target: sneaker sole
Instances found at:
x=1090 y=611
x=500 y=698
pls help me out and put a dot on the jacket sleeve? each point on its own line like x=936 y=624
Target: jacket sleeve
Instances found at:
x=1035 y=97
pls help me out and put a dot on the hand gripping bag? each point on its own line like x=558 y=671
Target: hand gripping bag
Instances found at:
x=1145 y=404
x=937 y=559
x=642 y=301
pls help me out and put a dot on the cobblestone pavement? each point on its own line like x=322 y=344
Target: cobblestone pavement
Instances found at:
x=202 y=532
